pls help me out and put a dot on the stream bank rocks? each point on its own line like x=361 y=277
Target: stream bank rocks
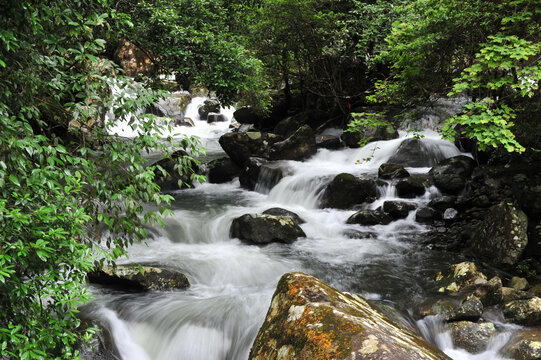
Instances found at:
x=308 y=319
x=346 y=190
x=137 y=277
x=264 y=229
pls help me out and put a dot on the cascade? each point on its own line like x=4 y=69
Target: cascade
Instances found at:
x=232 y=283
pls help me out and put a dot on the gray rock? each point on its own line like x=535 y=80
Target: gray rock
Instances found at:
x=398 y=209
x=411 y=187
x=308 y=319
x=501 y=237
x=525 y=345
x=442 y=203
x=222 y=170
x=524 y=312
x=209 y=106
x=426 y=215
x=247 y=115
x=215 y=117
x=518 y=283
x=450 y=214
x=264 y=229
x=369 y=217
x=346 y=190
x=392 y=171
x=510 y=294
x=473 y=337
x=470 y=310
x=490 y=292
x=299 y=146
x=415 y=153
x=328 y=142
x=283 y=212
x=241 y=146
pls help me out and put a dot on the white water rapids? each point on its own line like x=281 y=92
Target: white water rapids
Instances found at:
x=232 y=283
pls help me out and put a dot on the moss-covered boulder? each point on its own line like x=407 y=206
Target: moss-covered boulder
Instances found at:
x=298 y=146
x=283 y=212
x=459 y=276
x=524 y=312
x=264 y=229
x=471 y=336
x=310 y=320
x=346 y=190
x=525 y=345
x=392 y=171
x=139 y=277
x=501 y=237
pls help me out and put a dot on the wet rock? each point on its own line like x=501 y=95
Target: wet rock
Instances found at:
x=525 y=345
x=240 y=146
x=308 y=319
x=457 y=165
x=264 y=229
x=170 y=180
x=346 y=190
x=298 y=146
x=139 y=277
x=510 y=294
x=351 y=139
x=442 y=203
x=222 y=170
x=449 y=183
x=535 y=290
x=392 y=171
x=369 y=217
x=524 y=312
x=247 y=115
x=501 y=237
x=414 y=153
x=490 y=292
x=173 y=107
x=426 y=215
x=397 y=317
x=259 y=175
x=450 y=214
x=438 y=308
x=518 y=283
x=283 y=212
x=459 y=276
x=398 y=209
x=411 y=187
x=99 y=348
x=287 y=127
x=215 y=117
x=470 y=310
x=529 y=198
x=470 y=336
x=328 y=142
x=209 y=106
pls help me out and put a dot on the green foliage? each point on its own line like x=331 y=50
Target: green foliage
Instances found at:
x=71 y=195
x=362 y=121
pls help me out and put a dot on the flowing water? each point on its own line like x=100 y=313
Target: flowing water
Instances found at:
x=232 y=283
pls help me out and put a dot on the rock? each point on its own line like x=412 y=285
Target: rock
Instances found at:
x=352 y=138
x=518 y=283
x=264 y=229
x=414 y=153
x=173 y=107
x=170 y=181
x=308 y=319
x=283 y=212
x=392 y=171
x=298 y=146
x=490 y=292
x=442 y=203
x=215 y=117
x=240 y=146
x=346 y=190
x=398 y=209
x=450 y=183
x=524 y=312
x=328 y=142
x=247 y=115
x=470 y=310
x=369 y=217
x=130 y=277
x=459 y=276
x=535 y=290
x=99 y=347
x=411 y=187
x=222 y=170
x=450 y=214
x=209 y=106
x=501 y=237
x=259 y=175
x=450 y=175
x=525 y=345
x=438 y=308
x=426 y=215
x=510 y=294
x=470 y=336
x=529 y=198
x=287 y=127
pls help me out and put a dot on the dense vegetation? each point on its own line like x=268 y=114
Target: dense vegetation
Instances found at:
x=72 y=196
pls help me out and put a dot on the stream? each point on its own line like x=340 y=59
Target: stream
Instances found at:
x=232 y=283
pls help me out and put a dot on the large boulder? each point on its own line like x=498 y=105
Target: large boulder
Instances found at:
x=139 y=277
x=392 y=171
x=383 y=132
x=450 y=175
x=460 y=276
x=426 y=215
x=240 y=146
x=287 y=126
x=369 y=217
x=411 y=187
x=259 y=175
x=264 y=229
x=308 y=319
x=525 y=345
x=331 y=142
x=222 y=170
x=300 y=145
x=283 y=212
x=471 y=336
x=171 y=179
x=524 y=312
x=247 y=115
x=471 y=310
x=209 y=106
x=414 y=153
x=501 y=237
x=398 y=209
x=173 y=107
x=346 y=190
